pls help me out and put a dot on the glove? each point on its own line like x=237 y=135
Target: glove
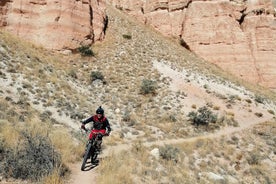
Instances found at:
x=83 y=127
x=107 y=133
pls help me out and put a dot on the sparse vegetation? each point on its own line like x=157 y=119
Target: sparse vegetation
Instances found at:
x=73 y=74
x=96 y=75
x=253 y=158
x=32 y=158
x=148 y=87
x=259 y=99
x=169 y=153
x=248 y=101
x=127 y=36
x=203 y=116
x=259 y=114
x=271 y=111
x=86 y=51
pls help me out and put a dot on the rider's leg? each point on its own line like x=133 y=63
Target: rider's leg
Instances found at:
x=98 y=145
x=99 y=141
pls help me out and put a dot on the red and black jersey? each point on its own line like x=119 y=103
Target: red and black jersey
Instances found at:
x=98 y=124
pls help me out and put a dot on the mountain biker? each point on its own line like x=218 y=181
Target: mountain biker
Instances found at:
x=100 y=125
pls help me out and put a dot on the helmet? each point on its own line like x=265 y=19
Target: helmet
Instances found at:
x=100 y=110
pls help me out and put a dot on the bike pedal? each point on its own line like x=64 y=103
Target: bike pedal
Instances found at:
x=95 y=161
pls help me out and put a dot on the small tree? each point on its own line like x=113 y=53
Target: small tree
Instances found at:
x=203 y=116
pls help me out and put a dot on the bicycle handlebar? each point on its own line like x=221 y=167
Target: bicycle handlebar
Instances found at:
x=86 y=130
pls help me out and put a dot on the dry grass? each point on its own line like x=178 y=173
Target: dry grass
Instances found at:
x=9 y=134
x=69 y=148
x=54 y=178
x=117 y=169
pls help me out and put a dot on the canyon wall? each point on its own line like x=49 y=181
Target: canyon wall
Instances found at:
x=55 y=24
x=238 y=36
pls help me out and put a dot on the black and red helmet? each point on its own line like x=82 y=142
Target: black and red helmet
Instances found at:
x=100 y=111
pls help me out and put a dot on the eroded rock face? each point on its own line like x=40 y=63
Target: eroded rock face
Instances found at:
x=55 y=24
x=237 y=35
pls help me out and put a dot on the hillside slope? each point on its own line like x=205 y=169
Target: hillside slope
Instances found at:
x=60 y=88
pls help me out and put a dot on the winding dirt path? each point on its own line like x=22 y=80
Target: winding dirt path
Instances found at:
x=82 y=177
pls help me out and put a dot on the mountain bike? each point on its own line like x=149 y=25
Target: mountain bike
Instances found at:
x=91 y=151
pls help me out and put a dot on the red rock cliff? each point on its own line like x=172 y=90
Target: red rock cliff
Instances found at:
x=239 y=36
x=55 y=24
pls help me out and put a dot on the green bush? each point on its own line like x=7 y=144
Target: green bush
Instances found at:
x=86 y=51
x=33 y=158
x=96 y=75
x=148 y=87
x=203 y=116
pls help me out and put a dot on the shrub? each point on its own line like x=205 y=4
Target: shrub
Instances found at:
x=259 y=114
x=253 y=159
x=203 y=116
x=169 y=153
x=271 y=111
x=259 y=99
x=126 y=36
x=148 y=86
x=126 y=116
x=73 y=74
x=86 y=51
x=172 y=118
x=248 y=101
x=96 y=75
x=33 y=158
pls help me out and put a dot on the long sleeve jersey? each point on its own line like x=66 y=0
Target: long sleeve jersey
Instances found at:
x=98 y=124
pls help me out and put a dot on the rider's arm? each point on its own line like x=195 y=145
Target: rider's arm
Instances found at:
x=107 y=126
x=87 y=120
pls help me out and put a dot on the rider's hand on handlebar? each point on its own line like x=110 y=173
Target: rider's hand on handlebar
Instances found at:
x=83 y=127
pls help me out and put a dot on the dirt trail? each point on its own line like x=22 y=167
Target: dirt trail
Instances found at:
x=83 y=177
